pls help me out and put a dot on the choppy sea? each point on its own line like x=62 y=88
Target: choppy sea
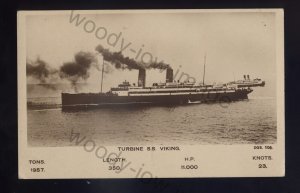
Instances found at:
x=251 y=121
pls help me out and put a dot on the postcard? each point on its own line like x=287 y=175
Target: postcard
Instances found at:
x=151 y=93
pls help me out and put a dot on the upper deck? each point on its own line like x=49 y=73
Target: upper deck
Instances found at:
x=126 y=89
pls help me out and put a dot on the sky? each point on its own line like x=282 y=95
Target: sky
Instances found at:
x=235 y=43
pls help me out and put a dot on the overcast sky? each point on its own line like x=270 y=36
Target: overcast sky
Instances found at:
x=235 y=43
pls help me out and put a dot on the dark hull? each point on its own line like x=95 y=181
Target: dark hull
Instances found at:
x=99 y=99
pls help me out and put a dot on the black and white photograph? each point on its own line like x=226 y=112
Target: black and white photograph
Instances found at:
x=135 y=79
x=138 y=79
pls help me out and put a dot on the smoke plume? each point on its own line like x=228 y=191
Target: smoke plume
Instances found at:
x=40 y=70
x=79 y=68
x=122 y=62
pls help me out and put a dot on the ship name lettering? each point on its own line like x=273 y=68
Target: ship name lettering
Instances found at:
x=173 y=148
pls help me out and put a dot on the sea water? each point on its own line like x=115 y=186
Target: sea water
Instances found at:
x=251 y=121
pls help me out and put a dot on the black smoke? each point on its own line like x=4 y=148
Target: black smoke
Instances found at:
x=40 y=70
x=79 y=68
x=72 y=71
x=119 y=61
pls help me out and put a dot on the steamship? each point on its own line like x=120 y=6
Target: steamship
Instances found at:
x=247 y=82
x=171 y=92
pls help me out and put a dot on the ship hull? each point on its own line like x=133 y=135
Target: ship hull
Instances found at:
x=100 y=99
x=251 y=85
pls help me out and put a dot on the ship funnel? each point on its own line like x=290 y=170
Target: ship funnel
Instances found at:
x=169 y=75
x=248 y=77
x=142 y=77
x=244 y=77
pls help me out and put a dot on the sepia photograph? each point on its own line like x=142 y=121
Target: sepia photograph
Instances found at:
x=166 y=80
x=138 y=79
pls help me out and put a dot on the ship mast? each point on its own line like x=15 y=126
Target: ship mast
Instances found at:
x=204 y=68
x=102 y=73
